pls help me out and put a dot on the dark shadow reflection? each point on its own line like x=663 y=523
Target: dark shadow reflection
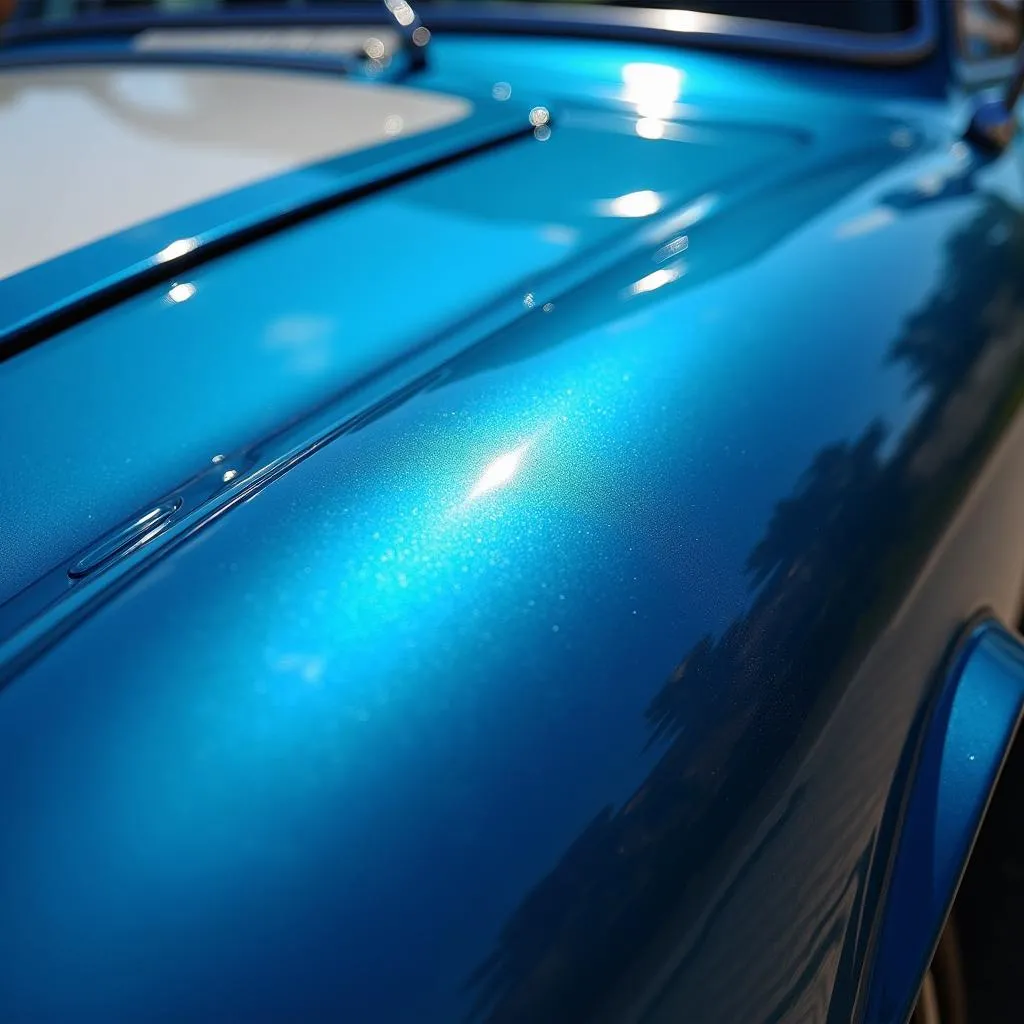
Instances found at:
x=836 y=556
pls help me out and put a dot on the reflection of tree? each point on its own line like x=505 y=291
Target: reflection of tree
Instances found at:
x=667 y=712
x=619 y=880
x=822 y=499
x=835 y=555
x=940 y=342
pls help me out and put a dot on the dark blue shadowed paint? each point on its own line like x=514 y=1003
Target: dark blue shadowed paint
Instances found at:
x=579 y=684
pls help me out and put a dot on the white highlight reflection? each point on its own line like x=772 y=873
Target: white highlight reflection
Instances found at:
x=176 y=249
x=654 y=88
x=633 y=204
x=657 y=279
x=181 y=292
x=650 y=128
x=499 y=472
x=402 y=11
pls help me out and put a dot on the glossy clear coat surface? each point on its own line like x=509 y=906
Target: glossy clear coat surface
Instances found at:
x=573 y=679
x=281 y=350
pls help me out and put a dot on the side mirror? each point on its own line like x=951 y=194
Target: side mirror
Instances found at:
x=991 y=31
x=995 y=120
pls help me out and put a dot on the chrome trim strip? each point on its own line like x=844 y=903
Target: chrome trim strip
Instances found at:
x=656 y=25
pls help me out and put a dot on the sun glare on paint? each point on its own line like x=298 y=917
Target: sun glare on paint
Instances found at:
x=499 y=472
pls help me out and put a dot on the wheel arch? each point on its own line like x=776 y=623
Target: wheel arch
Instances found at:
x=951 y=768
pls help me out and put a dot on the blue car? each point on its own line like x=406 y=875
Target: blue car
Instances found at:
x=511 y=512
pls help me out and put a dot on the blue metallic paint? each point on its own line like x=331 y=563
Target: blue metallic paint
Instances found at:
x=577 y=682
x=966 y=741
x=290 y=347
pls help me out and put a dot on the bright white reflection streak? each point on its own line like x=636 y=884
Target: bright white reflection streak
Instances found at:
x=644 y=203
x=498 y=472
x=177 y=248
x=650 y=128
x=656 y=280
x=654 y=88
x=181 y=292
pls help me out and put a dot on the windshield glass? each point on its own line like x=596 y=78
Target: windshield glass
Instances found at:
x=868 y=16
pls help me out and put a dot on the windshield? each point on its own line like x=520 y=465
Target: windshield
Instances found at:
x=866 y=16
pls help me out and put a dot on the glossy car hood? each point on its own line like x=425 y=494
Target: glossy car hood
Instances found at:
x=448 y=693
x=146 y=394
